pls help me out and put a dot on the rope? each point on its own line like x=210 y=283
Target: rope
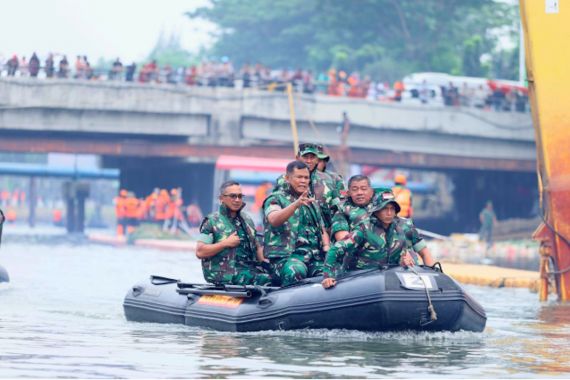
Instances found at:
x=431 y=309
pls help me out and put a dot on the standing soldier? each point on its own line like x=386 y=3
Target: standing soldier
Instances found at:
x=295 y=237
x=322 y=167
x=403 y=196
x=384 y=239
x=227 y=245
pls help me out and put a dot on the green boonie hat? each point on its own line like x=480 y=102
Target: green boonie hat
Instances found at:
x=308 y=148
x=382 y=200
x=321 y=153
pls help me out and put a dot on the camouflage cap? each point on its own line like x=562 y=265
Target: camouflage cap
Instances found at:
x=307 y=148
x=321 y=153
x=381 y=200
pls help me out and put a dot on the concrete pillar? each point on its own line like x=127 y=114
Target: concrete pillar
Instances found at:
x=75 y=194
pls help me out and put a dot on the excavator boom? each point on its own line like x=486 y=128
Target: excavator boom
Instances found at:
x=546 y=26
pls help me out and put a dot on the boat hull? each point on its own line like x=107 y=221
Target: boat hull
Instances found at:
x=4 y=277
x=379 y=300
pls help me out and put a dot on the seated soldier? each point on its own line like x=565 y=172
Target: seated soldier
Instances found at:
x=384 y=239
x=295 y=237
x=321 y=185
x=355 y=209
x=227 y=245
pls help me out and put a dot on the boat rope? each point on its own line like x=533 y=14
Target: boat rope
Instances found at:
x=544 y=217
x=431 y=309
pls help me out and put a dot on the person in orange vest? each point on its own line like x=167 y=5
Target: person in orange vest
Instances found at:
x=398 y=90
x=5 y=197
x=132 y=212
x=174 y=217
x=120 y=212
x=403 y=196
x=150 y=204
x=57 y=217
x=161 y=207
x=11 y=215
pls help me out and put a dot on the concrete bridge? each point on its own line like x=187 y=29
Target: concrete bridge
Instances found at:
x=163 y=135
x=179 y=121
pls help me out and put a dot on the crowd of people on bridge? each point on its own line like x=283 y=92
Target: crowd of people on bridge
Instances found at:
x=222 y=73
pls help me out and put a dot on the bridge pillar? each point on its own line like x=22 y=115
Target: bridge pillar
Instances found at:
x=75 y=194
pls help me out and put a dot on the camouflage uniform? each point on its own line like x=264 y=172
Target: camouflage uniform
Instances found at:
x=232 y=265
x=294 y=248
x=338 y=182
x=369 y=244
x=323 y=188
x=349 y=216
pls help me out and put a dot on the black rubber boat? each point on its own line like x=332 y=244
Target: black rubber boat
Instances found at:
x=4 y=275
x=387 y=299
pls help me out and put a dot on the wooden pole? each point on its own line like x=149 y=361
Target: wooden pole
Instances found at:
x=292 y=119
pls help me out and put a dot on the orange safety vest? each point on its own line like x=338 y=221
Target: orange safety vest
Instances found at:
x=132 y=208
x=404 y=198
x=120 y=207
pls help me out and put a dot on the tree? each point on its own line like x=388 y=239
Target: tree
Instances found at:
x=418 y=35
x=169 y=51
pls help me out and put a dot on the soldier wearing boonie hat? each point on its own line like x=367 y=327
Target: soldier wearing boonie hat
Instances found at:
x=324 y=159
x=384 y=239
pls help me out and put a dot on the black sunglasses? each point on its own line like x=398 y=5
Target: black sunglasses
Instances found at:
x=233 y=196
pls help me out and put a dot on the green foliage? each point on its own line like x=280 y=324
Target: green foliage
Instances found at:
x=399 y=36
x=168 y=51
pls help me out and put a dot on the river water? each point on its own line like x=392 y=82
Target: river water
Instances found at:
x=61 y=316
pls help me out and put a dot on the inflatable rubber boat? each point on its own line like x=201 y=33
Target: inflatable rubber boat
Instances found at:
x=384 y=299
x=4 y=275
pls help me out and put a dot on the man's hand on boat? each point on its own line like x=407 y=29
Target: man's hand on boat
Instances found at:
x=328 y=282
x=232 y=241
x=406 y=260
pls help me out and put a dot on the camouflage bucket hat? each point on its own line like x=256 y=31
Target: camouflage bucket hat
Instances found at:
x=308 y=148
x=321 y=153
x=381 y=200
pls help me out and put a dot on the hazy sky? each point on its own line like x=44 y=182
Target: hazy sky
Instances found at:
x=127 y=29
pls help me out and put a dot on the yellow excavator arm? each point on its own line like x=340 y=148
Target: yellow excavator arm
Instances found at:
x=546 y=26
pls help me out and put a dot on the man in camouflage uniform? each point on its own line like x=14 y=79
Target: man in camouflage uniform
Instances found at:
x=355 y=209
x=385 y=239
x=295 y=237
x=321 y=185
x=227 y=245
x=322 y=167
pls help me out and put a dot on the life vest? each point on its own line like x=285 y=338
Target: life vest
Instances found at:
x=132 y=208
x=120 y=207
x=404 y=198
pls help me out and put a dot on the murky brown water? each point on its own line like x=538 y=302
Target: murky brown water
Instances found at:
x=61 y=316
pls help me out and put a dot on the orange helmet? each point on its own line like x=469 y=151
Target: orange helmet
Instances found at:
x=400 y=179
